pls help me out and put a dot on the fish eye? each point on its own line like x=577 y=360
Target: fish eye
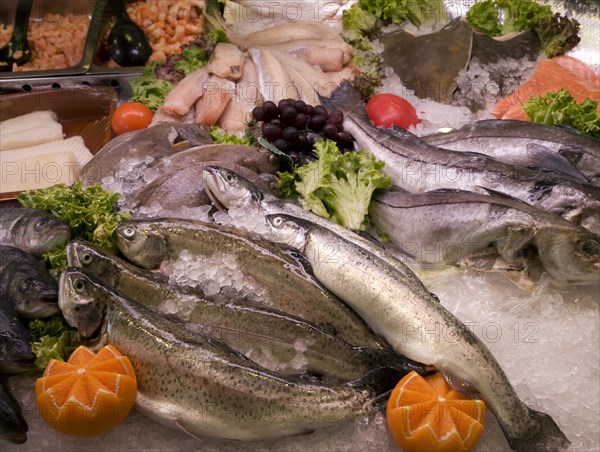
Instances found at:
x=229 y=177
x=277 y=221
x=273 y=185
x=79 y=284
x=86 y=258
x=129 y=233
x=589 y=247
x=41 y=224
x=26 y=285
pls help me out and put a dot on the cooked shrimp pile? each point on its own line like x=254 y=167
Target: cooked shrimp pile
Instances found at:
x=56 y=42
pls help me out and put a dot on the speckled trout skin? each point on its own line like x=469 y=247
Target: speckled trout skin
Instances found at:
x=244 y=327
x=289 y=286
x=194 y=383
x=417 y=325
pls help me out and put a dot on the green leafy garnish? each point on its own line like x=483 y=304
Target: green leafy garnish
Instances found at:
x=192 y=59
x=148 y=89
x=55 y=339
x=217 y=35
x=221 y=136
x=396 y=11
x=90 y=213
x=559 y=107
x=336 y=186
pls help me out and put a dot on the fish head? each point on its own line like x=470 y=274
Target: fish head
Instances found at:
x=40 y=232
x=86 y=255
x=227 y=189
x=82 y=303
x=288 y=230
x=572 y=256
x=15 y=352
x=141 y=243
x=33 y=294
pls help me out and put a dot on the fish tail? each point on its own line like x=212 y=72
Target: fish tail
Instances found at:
x=545 y=436
x=385 y=357
x=378 y=384
x=347 y=99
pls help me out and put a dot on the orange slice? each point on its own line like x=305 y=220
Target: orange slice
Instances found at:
x=89 y=394
x=425 y=414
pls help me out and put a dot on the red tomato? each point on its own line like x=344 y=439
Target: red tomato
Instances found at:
x=386 y=110
x=130 y=116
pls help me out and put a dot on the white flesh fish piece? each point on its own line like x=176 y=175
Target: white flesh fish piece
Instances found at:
x=217 y=94
x=247 y=95
x=227 y=61
x=185 y=94
x=274 y=80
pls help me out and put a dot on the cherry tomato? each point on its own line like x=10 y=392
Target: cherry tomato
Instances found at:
x=130 y=116
x=386 y=110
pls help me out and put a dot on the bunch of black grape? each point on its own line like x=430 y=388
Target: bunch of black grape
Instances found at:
x=293 y=126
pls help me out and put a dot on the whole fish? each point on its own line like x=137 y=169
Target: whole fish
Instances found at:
x=25 y=284
x=15 y=352
x=154 y=142
x=227 y=189
x=417 y=167
x=558 y=148
x=184 y=187
x=32 y=230
x=283 y=343
x=13 y=427
x=414 y=322
x=288 y=285
x=200 y=385
x=449 y=226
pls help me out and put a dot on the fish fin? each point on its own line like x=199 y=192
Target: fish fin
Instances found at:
x=183 y=428
x=448 y=190
x=572 y=154
x=389 y=358
x=378 y=384
x=512 y=247
x=371 y=238
x=543 y=435
x=500 y=194
x=346 y=98
x=544 y=158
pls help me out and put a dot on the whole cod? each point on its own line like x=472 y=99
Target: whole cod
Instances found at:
x=13 y=427
x=289 y=286
x=284 y=343
x=200 y=385
x=413 y=321
x=418 y=167
x=453 y=226
x=557 y=148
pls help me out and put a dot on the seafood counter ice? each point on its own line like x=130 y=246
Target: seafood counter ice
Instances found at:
x=547 y=343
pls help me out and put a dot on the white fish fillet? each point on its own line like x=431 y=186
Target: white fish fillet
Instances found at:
x=217 y=94
x=185 y=94
x=247 y=94
x=227 y=61
x=29 y=130
x=43 y=165
x=274 y=80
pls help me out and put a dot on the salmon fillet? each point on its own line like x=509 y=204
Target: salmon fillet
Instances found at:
x=551 y=75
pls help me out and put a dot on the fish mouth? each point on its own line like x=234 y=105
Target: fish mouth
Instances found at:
x=15 y=437
x=97 y=336
x=210 y=180
x=17 y=365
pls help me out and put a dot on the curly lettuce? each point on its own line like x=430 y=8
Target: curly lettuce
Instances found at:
x=148 y=89
x=336 y=186
x=559 y=107
x=55 y=339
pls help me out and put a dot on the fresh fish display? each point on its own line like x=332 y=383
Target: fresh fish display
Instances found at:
x=560 y=149
x=389 y=301
x=288 y=285
x=417 y=167
x=283 y=343
x=228 y=190
x=157 y=141
x=25 y=284
x=15 y=351
x=450 y=227
x=13 y=427
x=184 y=187
x=211 y=379
x=32 y=230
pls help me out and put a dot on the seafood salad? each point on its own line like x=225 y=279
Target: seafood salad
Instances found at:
x=322 y=212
